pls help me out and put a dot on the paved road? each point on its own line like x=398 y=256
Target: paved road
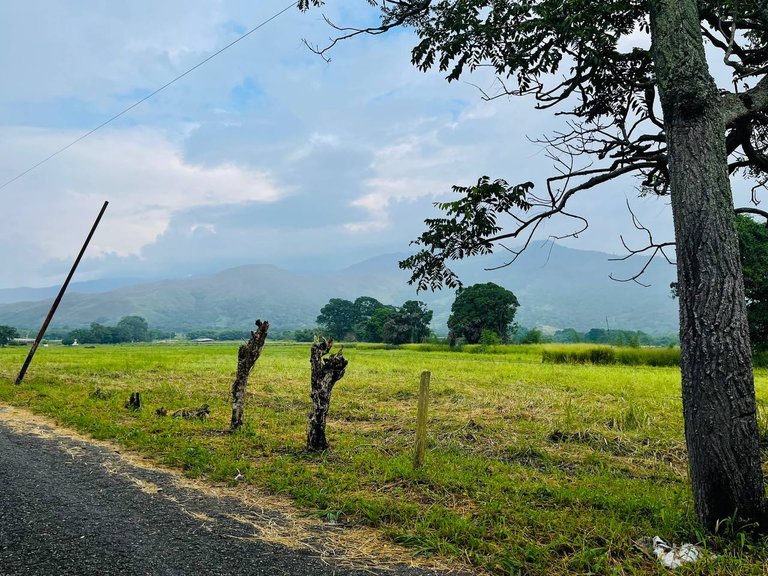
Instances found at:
x=68 y=506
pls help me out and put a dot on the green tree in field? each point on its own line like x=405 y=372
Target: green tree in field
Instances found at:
x=372 y=330
x=7 y=333
x=371 y=315
x=753 y=247
x=133 y=329
x=482 y=307
x=408 y=323
x=653 y=112
x=338 y=318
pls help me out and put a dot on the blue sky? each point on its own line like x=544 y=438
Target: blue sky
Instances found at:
x=267 y=154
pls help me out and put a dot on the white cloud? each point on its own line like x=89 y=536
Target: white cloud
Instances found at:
x=140 y=172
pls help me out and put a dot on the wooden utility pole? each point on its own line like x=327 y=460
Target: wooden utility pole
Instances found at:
x=56 y=302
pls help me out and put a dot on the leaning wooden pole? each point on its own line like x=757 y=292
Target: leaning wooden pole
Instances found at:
x=246 y=358
x=56 y=302
x=325 y=373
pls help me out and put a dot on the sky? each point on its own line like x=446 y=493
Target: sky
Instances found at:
x=266 y=154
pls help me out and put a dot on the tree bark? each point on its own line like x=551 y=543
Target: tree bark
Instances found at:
x=716 y=363
x=325 y=373
x=246 y=358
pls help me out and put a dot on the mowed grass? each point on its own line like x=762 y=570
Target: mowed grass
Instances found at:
x=532 y=468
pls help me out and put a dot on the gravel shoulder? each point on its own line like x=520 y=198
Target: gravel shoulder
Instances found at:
x=73 y=505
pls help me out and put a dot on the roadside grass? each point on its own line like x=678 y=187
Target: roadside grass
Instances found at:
x=532 y=468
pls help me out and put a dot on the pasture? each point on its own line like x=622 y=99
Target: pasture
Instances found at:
x=532 y=468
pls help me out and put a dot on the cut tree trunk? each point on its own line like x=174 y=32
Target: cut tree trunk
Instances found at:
x=246 y=358
x=716 y=363
x=325 y=373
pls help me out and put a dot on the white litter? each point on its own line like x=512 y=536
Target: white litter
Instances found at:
x=675 y=556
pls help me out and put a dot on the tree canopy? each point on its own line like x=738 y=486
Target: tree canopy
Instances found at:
x=408 y=323
x=338 y=318
x=7 y=333
x=369 y=320
x=482 y=307
x=753 y=247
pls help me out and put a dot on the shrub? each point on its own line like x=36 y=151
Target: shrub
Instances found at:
x=607 y=355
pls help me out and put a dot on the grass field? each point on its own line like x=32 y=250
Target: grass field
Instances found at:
x=532 y=468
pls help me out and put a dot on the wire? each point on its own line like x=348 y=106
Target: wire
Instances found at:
x=163 y=87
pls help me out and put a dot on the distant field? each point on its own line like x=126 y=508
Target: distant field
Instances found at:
x=532 y=468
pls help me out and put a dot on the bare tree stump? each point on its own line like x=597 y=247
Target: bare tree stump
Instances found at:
x=134 y=402
x=325 y=373
x=246 y=358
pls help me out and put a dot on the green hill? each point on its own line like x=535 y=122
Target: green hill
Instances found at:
x=557 y=286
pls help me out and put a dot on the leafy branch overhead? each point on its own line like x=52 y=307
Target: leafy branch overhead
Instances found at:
x=470 y=227
x=581 y=59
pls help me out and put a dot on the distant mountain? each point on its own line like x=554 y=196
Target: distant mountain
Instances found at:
x=556 y=286
x=24 y=294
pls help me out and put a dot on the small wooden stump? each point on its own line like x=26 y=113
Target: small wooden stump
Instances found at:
x=134 y=402
x=246 y=358
x=325 y=373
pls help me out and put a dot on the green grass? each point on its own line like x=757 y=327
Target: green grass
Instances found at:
x=532 y=468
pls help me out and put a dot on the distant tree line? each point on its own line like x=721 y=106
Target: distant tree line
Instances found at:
x=368 y=320
x=631 y=338
x=128 y=329
x=219 y=334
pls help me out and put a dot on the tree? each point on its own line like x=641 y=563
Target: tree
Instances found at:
x=373 y=329
x=409 y=323
x=371 y=315
x=134 y=329
x=656 y=113
x=338 y=318
x=753 y=248
x=7 y=333
x=482 y=307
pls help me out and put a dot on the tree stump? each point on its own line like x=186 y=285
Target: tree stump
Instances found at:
x=246 y=358
x=134 y=402
x=325 y=373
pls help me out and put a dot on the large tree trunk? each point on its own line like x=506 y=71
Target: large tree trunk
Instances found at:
x=718 y=391
x=246 y=358
x=325 y=373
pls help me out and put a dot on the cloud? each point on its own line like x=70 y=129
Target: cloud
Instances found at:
x=265 y=154
x=142 y=174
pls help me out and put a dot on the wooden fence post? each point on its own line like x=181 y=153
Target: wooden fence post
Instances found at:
x=421 y=421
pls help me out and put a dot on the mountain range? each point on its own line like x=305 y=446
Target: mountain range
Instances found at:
x=557 y=286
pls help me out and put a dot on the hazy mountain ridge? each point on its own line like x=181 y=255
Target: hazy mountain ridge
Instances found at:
x=556 y=286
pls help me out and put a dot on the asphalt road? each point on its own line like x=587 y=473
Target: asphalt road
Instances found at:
x=68 y=506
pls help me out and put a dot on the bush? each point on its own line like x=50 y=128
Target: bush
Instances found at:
x=607 y=355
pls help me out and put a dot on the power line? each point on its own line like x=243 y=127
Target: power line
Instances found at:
x=163 y=87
